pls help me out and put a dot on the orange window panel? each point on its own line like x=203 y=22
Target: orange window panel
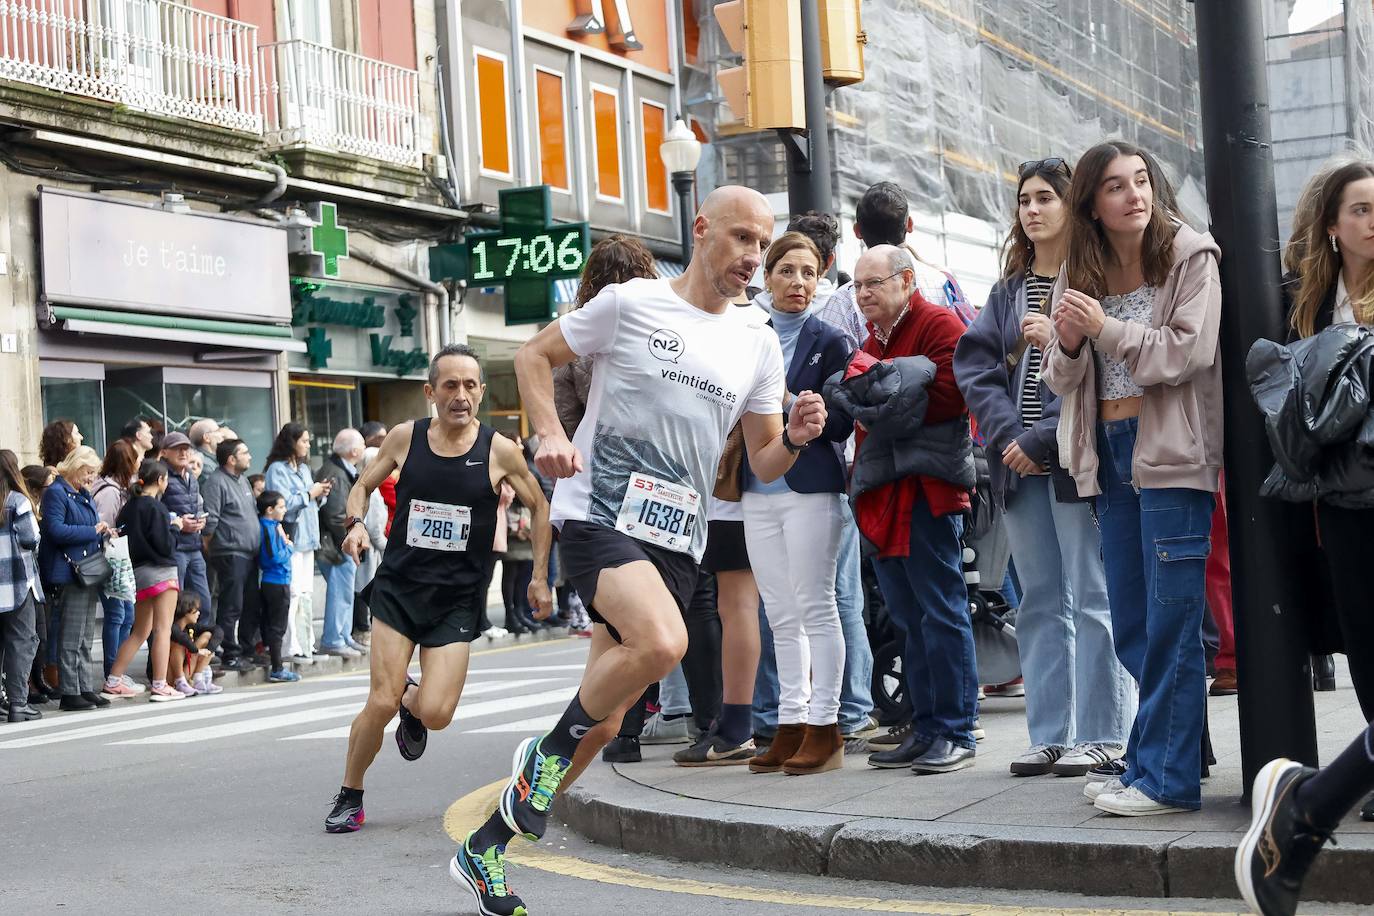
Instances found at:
x=655 y=172
x=606 y=123
x=494 y=122
x=553 y=140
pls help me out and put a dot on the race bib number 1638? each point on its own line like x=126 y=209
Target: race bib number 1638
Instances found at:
x=658 y=512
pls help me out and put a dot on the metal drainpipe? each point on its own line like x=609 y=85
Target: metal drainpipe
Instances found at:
x=445 y=318
x=278 y=189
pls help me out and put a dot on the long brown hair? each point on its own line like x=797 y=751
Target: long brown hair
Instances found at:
x=56 y=442
x=121 y=462
x=11 y=481
x=1088 y=247
x=1018 y=251
x=1309 y=253
x=614 y=259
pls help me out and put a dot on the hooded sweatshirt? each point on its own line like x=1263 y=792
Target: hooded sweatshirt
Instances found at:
x=1176 y=361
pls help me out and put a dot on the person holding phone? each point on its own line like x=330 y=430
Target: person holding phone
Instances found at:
x=288 y=472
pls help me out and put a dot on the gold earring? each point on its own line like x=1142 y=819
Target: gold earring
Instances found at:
x=1334 y=246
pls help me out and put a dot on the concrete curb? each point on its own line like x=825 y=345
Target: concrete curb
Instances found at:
x=337 y=665
x=615 y=811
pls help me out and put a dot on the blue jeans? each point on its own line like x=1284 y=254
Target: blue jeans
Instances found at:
x=117 y=623
x=673 y=698
x=928 y=602
x=1154 y=549
x=193 y=580
x=856 y=690
x=1076 y=690
x=338 y=602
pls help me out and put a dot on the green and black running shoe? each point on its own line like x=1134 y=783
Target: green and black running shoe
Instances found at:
x=485 y=876
x=535 y=778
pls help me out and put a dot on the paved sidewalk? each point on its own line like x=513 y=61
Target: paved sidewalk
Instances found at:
x=978 y=827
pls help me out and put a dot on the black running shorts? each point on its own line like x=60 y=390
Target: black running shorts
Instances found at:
x=427 y=615
x=585 y=549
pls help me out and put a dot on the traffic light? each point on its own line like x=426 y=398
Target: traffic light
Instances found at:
x=842 y=42
x=766 y=90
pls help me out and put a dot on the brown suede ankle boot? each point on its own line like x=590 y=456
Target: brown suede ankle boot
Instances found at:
x=822 y=749
x=785 y=743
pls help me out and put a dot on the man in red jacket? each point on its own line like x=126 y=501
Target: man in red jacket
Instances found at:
x=916 y=523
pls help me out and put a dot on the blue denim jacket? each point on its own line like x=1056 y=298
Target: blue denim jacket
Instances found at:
x=302 y=512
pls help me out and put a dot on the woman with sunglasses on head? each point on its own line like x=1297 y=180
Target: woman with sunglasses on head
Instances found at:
x=1137 y=309
x=1077 y=693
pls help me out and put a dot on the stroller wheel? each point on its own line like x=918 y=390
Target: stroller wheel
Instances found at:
x=890 y=702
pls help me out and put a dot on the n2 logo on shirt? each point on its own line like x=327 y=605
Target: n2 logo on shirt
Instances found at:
x=666 y=345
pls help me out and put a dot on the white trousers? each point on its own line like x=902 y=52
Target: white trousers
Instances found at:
x=300 y=631
x=794 y=542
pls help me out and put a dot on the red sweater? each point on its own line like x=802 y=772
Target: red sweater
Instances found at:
x=884 y=514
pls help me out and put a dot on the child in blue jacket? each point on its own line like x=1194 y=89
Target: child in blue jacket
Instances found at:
x=274 y=559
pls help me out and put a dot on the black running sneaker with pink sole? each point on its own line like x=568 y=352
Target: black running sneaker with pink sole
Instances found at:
x=347 y=816
x=411 y=734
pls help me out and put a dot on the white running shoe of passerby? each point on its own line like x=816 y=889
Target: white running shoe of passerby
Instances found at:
x=495 y=632
x=204 y=685
x=658 y=730
x=1084 y=757
x=1092 y=790
x=1037 y=761
x=979 y=733
x=132 y=684
x=1131 y=802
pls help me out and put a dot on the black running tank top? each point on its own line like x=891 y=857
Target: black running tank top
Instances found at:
x=445 y=514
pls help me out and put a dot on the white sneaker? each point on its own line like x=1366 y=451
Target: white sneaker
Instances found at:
x=978 y=733
x=1132 y=802
x=1038 y=761
x=1084 y=757
x=1091 y=790
x=658 y=730
x=344 y=651
x=495 y=632
x=303 y=659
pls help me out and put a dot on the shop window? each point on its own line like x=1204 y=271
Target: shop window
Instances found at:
x=606 y=135
x=324 y=407
x=78 y=400
x=691 y=33
x=247 y=411
x=654 y=117
x=493 y=113
x=553 y=133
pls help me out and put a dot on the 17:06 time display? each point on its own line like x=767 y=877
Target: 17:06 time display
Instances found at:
x=535 y=256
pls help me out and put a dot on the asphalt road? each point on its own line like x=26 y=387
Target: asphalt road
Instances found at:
x=215 y=805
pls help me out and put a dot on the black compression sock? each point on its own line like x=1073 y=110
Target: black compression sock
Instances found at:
x=1332 y=793
x=493 y=833
x=734 y=722
x=569 y=731
x=351 y=794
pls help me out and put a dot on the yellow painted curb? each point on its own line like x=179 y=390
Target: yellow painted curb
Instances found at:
x=469 y=812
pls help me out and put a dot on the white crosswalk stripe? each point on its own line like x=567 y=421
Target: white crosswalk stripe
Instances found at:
x=535 y=726
x=257 y=711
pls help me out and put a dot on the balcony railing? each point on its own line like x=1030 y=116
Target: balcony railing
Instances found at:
x=318 y=96
x=150 y=55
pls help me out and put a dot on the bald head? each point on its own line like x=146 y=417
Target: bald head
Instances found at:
x=883 y=281
x=733 y=200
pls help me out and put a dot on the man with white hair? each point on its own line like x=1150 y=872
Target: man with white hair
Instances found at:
x=206 y=435
x=338 y=569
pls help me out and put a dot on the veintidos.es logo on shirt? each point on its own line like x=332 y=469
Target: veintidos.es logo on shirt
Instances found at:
x=669 y=347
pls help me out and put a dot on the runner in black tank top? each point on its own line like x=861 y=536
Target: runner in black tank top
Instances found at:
x=429 y=589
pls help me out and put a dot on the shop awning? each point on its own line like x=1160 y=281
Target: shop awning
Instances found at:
x=238 y=335
x=565 y=291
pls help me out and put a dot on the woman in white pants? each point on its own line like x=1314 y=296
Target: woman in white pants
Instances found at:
x=288 y=472
x=792 y=528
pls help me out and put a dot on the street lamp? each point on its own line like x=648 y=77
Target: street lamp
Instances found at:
x=681 y=151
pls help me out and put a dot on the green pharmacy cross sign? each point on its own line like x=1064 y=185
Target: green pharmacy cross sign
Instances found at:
x=526 y=255
x=329 y=240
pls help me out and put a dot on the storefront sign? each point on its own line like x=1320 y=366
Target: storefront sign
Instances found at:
x=113 y=253
x=362 y=330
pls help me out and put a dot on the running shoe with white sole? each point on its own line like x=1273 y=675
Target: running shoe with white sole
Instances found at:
x=347 y=816
x=164 y=694
x=1278 y=849
x=132 y=684
x=1093 y=789
x=1131 y=802
x=411 y=734
x=1080 y=760
x=660 y=730
x=1016 y=688
x=119 y=691
x=1037 y=761
x=485 y=876
x=714 y=751
x=535 y=778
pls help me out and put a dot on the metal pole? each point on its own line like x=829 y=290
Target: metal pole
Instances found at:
x=808 y=183
x=682 y=184
x=1276 y=713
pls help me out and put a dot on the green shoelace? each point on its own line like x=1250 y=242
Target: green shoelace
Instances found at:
x=548 y=776
x=493 y=865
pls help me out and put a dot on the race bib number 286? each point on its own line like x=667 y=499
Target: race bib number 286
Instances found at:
x=437 y=526
x=659 y=512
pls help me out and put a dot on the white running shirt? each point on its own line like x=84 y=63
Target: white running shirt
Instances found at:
x=669 y=383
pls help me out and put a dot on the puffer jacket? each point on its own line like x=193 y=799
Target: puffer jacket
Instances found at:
x=1314 y=394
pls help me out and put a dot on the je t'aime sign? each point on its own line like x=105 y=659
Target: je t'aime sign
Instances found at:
x=104 y=252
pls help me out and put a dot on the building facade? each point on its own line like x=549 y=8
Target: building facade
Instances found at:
x=218 y=208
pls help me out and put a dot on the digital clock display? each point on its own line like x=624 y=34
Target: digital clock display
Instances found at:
x=555 y=252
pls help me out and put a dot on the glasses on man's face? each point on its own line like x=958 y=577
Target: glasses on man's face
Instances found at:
x=1054 y=164
x=872 y=285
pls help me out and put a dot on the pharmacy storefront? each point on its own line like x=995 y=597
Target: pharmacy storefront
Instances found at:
x=162 y=312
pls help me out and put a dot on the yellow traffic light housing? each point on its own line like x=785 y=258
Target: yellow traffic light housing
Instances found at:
x=842 y=42
x=766 y=90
